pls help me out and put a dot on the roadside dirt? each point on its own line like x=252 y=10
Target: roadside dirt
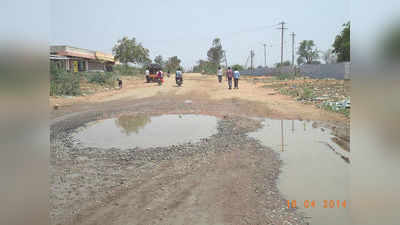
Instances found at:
x=206 y=87
x=227 y=178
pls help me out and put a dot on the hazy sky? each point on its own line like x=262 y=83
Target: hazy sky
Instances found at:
x=187 y=28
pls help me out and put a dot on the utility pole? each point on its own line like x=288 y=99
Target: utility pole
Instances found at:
x=251 y=60
x=282 y=28
x=293 y=35
x=283 y=143
x=265 y=55
x=226 y=61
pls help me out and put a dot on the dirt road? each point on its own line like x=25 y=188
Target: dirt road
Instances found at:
x=227 y=178
x=205 y=87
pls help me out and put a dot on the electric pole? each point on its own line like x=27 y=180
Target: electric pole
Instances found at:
x=293 y=35
x=265 y=55
x=282 y=28
x=226 y=61
x=251 y=60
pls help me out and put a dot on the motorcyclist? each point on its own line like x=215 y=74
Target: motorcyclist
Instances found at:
x=178 y=76
x=160 y=77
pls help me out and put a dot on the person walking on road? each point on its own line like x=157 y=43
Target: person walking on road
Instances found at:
x=147 y=75
x=229 y=75
x=236 y=76
x=119 y=83
x=219 y=74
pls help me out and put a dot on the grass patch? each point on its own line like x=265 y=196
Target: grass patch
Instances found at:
x=285 y=77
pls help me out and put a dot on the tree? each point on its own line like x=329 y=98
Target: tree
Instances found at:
x=341 y=46
x=215 y=53
x=173 y=63
x=127 y=50
x=285 y=63
x=300 y=61
x=308 y=51
x=237 y=67
x=329 y=56
x=159 y=60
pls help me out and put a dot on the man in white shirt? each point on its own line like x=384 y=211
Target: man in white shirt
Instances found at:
x=236 y=76
x=219 y=74
x=147 y=73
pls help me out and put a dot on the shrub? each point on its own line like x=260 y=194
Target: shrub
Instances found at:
x=307 y=93
x=283 y=76
x=64 y=83
x=101 y=78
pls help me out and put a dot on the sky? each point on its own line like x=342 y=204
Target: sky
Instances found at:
x=186 y=28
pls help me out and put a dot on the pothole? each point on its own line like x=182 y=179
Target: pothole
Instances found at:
x=315 y=170
x=130 y=131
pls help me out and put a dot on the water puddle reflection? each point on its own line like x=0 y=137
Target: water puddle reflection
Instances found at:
x=315 y=169
x=129 y=131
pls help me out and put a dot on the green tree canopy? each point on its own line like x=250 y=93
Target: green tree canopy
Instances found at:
x=173 y=63
x=204 y=66
x=215 y=53
x=285 y=63
x=307 y=51
x=341 y=46
x=237 y=67
x=329 y=56
x=159 y=60
x=300 y=61
x=127 y=50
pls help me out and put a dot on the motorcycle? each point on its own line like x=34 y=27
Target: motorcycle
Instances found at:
x=179 y=81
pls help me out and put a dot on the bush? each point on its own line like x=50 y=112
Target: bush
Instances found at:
x=331 y=108
x=285 y=77
x=307 y=93
x=101 y=78
x=64 y=83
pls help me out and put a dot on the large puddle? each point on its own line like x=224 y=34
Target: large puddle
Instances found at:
x=131 y=131
x=315 y=170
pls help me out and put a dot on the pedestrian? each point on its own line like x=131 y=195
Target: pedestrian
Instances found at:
x=236 y=76
x=119 y=83
x=229 y=76
x=168 y=73
x=160 y=77
x=147 y=74
x=219 y=74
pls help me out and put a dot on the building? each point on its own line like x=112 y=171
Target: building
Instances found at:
x=74 y=59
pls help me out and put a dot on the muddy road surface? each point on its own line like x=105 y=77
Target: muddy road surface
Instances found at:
x=224 y=176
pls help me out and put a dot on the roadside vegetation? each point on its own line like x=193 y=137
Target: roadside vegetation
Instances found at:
x=63 y=83
x=328 y=94
x=124 y=70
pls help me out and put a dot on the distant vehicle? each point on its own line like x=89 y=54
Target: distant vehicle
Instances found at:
x=153 y=77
